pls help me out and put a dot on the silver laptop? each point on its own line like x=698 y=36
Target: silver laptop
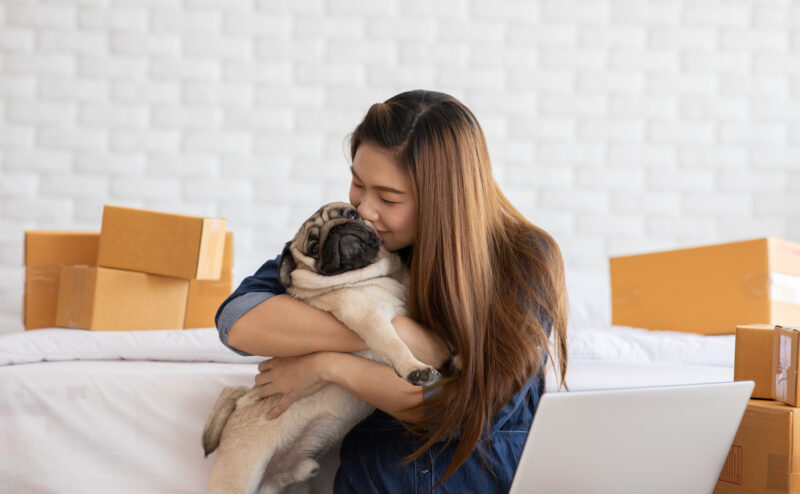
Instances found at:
x=671 y=439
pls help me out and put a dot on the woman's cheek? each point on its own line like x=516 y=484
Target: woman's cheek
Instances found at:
x=354 y=196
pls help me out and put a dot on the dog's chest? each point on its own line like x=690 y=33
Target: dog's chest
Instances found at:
x=384 y=295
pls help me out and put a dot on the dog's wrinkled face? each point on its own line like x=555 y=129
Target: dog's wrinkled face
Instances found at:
x=333 y=240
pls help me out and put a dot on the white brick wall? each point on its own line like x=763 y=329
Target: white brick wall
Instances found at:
x=619 y=125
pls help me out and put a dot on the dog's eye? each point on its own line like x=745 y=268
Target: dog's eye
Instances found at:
x=352 y=214
x=313 y=248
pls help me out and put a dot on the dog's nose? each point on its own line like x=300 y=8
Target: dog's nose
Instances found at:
x=349 y=245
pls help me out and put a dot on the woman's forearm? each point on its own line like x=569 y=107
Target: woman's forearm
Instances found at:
x=284 y=326
x=374 y=383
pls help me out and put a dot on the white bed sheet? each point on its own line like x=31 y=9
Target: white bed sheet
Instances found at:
x=109 y=426
x=123 y=412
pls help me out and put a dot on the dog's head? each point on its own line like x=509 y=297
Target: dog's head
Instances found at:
x=333 y=240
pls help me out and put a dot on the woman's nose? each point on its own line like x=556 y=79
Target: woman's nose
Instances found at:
x=367 y=211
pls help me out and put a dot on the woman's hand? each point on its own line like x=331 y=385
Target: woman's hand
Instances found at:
x=292 y=377
x=425 y=345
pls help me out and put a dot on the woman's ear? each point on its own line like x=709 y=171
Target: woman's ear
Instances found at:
x=286 y=266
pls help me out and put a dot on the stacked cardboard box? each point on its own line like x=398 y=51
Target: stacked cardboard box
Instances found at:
x=765 y=456
x=45 y=253
x=710 y=289
x=144 y=270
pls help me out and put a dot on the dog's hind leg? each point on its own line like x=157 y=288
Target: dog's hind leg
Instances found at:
x=223 y=408
x=245 y=448
x=297 y=462
x=239 y=470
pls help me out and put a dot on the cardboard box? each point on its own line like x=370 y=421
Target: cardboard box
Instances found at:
x=784 y=365
x=189 y=247
x=708 y=290
x=753 y=360
x=114 y=300
x=205 y=296
x=45 y=253
x=765 y=455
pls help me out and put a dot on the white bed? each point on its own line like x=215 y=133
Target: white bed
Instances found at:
x=123 y=412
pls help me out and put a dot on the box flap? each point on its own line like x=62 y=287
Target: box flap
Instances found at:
x=212 y=247
x=227 y=257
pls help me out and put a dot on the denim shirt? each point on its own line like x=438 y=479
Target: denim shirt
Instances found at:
x=372 y=453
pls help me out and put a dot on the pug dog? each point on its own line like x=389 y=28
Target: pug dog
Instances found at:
x=336 y=263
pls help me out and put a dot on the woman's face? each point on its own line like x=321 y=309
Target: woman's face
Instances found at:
x=382 y=194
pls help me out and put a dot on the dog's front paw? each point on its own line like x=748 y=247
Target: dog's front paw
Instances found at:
x=424 y=376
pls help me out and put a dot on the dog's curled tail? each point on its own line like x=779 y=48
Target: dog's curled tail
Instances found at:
x=223 y=408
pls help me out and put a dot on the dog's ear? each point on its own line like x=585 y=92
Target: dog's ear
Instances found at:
x=286 y=266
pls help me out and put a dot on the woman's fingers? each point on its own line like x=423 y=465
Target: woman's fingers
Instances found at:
x=262 y=379
x=291 y=378
x=267 y=390
x=279 y=407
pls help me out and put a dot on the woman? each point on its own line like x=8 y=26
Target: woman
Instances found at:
x=485 y=284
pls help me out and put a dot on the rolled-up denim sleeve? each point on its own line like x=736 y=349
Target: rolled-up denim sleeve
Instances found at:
x=254 y=290
x=235 y=309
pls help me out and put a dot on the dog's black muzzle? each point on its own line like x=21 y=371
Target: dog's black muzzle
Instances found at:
x=348 y=246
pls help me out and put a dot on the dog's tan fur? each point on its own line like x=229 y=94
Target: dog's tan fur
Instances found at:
x=259 y=455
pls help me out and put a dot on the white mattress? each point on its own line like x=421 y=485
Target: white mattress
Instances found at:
x=123 y=412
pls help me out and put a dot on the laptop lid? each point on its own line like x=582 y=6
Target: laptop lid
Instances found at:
x=632 y=441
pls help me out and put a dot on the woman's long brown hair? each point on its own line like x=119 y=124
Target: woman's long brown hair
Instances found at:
x=483 y=278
